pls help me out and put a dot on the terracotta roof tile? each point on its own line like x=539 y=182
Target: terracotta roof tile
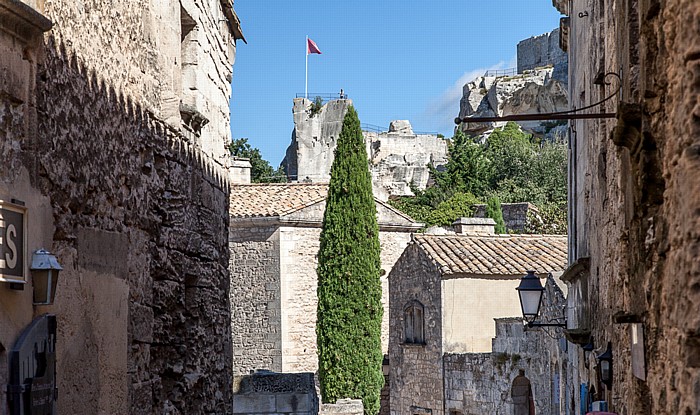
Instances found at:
x=274 y=199
x=495 y=255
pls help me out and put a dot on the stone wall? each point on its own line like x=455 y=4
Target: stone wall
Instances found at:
x=274 y=287
x=416 y=377
x=255 y=299
x=482 y=383
x=514 y=214
x=343 y=407
x=634 y=198
x=134 y=208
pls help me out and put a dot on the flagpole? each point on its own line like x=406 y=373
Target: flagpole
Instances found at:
x=306 y=85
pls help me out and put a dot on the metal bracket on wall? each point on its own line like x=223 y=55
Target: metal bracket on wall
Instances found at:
x=561 y=115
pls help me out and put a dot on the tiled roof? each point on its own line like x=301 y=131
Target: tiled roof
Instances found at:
x=495 y=255
x=274 y=199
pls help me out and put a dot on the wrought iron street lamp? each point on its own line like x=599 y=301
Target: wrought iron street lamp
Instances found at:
x=45 y=269
x=530 y=292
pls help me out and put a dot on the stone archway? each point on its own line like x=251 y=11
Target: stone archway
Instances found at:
x=521 y=392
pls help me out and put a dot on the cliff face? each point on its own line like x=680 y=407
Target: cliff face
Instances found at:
x=398 y=157
x=532 y=92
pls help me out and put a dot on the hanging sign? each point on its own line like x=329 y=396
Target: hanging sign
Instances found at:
x=13 y=231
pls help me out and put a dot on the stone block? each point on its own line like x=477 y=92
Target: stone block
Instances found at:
x=141 y=322
x=294 y=403
x=252 y=404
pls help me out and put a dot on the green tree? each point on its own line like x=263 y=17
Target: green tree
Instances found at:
x=512 y=153
x=261 y=171
x=512 y=166
x=350 y=310
x=468 y=169
x=493 y=211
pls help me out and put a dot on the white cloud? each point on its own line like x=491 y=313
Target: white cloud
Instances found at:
x=441 y=111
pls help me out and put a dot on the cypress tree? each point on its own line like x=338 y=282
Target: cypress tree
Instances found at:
x=494 y=211
x=348 y=329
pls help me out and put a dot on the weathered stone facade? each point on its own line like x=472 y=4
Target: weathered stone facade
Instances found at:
x=483 y=383
x=273 y=285
x=459 y=290
x=131 y=196
x=634 y=199
x=416 y=378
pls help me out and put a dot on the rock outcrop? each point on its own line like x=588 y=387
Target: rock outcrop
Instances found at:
x=399 y=158
x=539 y=86
x=532 y=92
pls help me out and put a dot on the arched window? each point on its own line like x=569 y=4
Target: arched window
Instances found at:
x=413 y=326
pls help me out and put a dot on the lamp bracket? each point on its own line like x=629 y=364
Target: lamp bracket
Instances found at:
x=535 y=324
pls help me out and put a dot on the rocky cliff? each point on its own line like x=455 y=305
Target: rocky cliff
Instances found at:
x=532 y=92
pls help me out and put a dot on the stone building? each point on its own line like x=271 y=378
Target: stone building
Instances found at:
x=444 y=293
x=634 y=232
x=399 y=157
x=274 y=242
x=113 y=125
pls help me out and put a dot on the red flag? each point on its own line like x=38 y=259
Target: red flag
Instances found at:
x=311 y=47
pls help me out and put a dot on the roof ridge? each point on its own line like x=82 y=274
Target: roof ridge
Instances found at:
x=277 y=184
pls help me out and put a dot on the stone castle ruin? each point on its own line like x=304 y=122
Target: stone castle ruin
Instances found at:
x=399 y=158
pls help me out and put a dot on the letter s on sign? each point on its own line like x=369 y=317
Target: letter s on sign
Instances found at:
x=11 y=257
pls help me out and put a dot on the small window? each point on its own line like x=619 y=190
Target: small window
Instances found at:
x=413 y=317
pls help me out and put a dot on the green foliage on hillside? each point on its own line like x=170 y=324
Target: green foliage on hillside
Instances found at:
x=349 y=290
x=511 y=166
x=261 y=171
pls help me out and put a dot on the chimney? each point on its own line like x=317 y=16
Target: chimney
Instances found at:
x=474 y=226
x=239 y=172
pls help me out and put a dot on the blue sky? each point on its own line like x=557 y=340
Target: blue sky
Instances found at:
x=395 y=60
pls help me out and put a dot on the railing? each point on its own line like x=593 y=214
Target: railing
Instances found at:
x=371 y=128
x=324 y=97
x=501 y=72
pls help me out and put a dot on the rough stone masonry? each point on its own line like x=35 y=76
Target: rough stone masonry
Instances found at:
x=116 y=142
